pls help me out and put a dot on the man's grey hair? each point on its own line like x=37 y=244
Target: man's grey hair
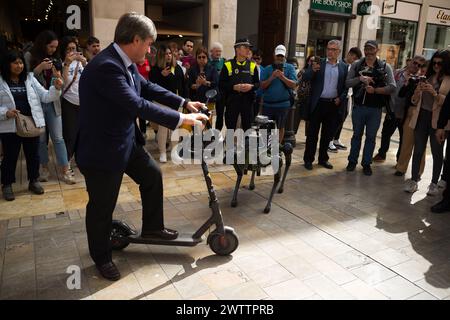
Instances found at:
x=216 y=45
x=419 y=57
x=134 y=24
x=336 y=42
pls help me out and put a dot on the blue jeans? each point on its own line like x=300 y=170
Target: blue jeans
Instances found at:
x=54 y=128
x=370 y=119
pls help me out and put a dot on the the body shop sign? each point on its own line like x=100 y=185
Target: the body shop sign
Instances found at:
x=337 y=6
x=439 y=16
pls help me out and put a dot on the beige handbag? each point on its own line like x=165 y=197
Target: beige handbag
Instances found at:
x=26 y=128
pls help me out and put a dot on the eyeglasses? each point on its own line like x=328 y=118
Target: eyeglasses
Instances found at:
x=202 y=57
x=437 y=63
x=418 y=64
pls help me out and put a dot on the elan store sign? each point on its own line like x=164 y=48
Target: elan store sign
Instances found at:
x=439 y=16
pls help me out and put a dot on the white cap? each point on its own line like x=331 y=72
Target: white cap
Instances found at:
x=280 y=50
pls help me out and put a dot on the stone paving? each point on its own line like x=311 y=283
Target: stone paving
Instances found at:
x=330 y=235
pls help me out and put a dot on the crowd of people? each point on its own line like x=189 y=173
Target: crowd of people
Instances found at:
x=42 y=82
x=94 y=106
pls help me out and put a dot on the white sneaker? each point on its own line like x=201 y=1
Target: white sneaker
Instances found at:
x=411 y=186
x=339 y=145
x=68 y=178
x=163 y=158
x=433 y=189
x=332 y=147
x=70 y=170
x=442 y=184
x=44 y=175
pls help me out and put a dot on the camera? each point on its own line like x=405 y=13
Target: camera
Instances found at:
x=278 y=66
x=418 y=79
x=379 y=76
x=57 y=63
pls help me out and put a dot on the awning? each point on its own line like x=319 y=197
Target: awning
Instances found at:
x=331 y=14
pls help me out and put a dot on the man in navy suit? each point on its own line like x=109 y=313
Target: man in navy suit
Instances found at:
x=112 y=96
x=328 y=91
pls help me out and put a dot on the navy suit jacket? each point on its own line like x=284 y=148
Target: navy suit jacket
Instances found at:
x=109 y=106
x=317 y=81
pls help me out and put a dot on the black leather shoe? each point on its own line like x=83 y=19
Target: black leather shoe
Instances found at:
x=109 y=271
x=8 y=193
x=399 y=174
x=351 y=167
x=367 y=170
x=165 y=234
x=35 y=187
x=308 y=166
x=441 y=207
x=326 y=165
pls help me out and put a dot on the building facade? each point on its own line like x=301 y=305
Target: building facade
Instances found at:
x=411 y=27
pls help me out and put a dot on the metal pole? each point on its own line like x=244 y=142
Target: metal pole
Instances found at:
x=289 y=134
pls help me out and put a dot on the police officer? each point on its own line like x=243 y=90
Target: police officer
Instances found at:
x=239 y=80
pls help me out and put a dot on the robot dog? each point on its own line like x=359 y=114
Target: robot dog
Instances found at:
x=263 y=123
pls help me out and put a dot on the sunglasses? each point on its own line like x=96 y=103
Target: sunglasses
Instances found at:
x=202 y=57
x=437 y=63
x=418 y=64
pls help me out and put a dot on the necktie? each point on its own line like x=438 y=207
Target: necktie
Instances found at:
x=132 y=69
x=139 y=138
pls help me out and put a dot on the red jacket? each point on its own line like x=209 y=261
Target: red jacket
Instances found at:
x=144 y=69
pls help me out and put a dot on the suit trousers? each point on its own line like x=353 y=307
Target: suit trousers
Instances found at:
x=325 y=115
x=103 y=190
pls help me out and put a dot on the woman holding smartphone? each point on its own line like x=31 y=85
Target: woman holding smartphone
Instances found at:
x=428 y=99
x=169 y=75
x=21 y=93
x=73 y=66
x=47 y=66
x=202 y=77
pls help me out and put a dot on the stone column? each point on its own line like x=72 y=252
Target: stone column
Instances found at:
x=105 y=14
x=224 y=15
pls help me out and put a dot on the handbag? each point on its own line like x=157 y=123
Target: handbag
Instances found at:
x=26 y=128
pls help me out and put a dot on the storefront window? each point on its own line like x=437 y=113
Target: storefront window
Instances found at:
x=397 y=40
x=320 y=32
x=436 y=37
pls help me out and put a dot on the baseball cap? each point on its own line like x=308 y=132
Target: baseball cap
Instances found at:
x=280 y=50
x=371 y=43
x=243 y=42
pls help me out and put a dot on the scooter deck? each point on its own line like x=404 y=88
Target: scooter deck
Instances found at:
x=184 y=240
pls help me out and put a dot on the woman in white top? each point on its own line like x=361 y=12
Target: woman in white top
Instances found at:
x=74 y=63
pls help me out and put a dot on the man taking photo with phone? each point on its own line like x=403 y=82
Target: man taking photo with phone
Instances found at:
x=277 y=82
x=327 y=92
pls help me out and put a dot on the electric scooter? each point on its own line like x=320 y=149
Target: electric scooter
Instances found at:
x=223 y=240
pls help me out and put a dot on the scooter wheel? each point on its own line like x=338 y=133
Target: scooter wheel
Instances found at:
x=223 y=245
x=119 y=236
